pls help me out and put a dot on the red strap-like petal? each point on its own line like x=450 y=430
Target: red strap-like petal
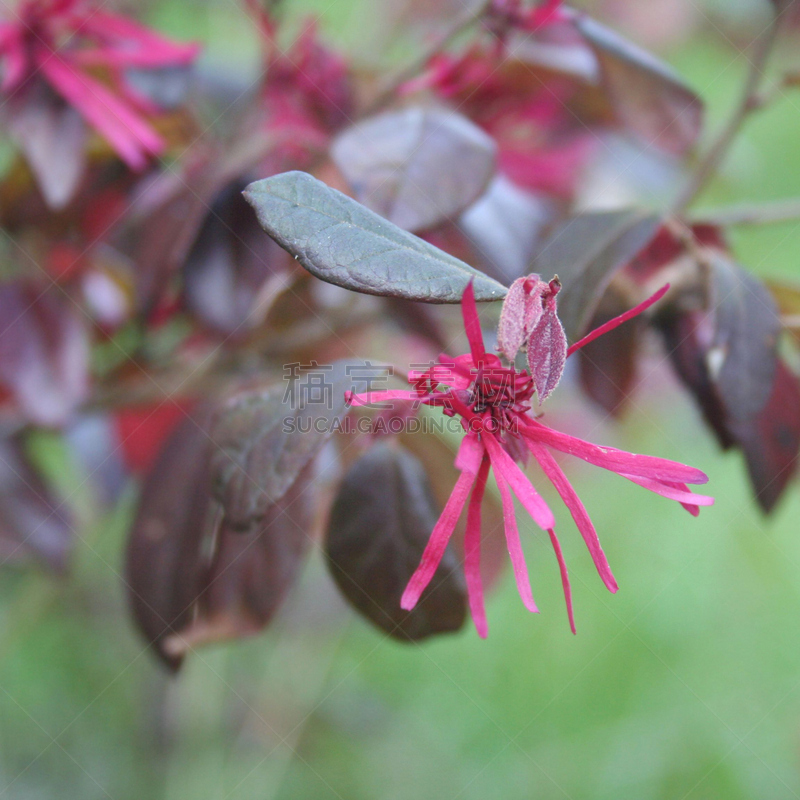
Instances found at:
x=672 y=491
x=472 y=325
x=472 y=552
x=562 y=566
x=443 y=530
x=570 y=497
x=619 y=461
x=514 y=545
x=504 y=465
x=617 y=321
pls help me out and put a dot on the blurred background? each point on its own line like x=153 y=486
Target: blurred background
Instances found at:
x=686 y=684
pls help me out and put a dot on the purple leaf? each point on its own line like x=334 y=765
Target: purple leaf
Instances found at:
x=608 y=364
x=585 y=252
x=648 y=97
x=165 y=559
x=380 y=523
x=341 y=242
x=771 y=441
x=44 y=352
x=251 y=573
x=265 y=438
x=228 y=265
x=34 y=522
x=417 y=167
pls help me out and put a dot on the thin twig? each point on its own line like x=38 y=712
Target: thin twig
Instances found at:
x=752 y=213
x=387 y=91
x=749 y=102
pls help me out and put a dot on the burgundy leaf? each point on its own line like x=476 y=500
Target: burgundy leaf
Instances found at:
x=341 y=242
x=52 y=135
x=586 y=251
x=166 y=554
x=380 y=523
x=417 y=167
x=266 y=438
x=228 y=266
x=686 y=336
x=742 y=355
x=44 y=352
x=251 y=573
x=34 y=522
x=608 y=364
x=771 y=441
x=648 y=97
x=504 y=226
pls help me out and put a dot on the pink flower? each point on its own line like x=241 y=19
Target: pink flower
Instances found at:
x=493 y=402
x=67 y=43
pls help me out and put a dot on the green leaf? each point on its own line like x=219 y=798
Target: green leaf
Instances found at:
x=585 y=252
x=341 y=242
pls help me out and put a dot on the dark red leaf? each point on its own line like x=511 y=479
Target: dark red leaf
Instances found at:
x=608 y=364
x=228 y=265
x=742 y=354
x=586 y=251
x=165 y=558
x=379 y=525
x=266 y=438
x=44 y=351
x=251 y=573
x=34 y=522
x=647 y=95
x=417 y=167
x=771 y=441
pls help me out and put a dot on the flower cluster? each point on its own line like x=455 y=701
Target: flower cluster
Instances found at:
x=493 y=402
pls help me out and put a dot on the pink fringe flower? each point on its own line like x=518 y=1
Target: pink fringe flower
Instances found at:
x=67 y=43
x=493 y=402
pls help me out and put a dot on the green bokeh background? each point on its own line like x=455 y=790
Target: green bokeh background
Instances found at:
x=686 y=684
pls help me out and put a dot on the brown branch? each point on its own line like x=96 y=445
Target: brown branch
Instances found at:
x=752 y=214
x=750 y=101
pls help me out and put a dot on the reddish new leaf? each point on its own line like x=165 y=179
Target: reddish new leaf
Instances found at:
x=380 y=523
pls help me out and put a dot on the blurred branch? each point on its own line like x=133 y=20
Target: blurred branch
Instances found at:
x=389 y=87
x=752 y=214
x=750 y=101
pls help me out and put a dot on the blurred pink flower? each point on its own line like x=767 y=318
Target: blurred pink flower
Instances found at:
x=83 y=53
